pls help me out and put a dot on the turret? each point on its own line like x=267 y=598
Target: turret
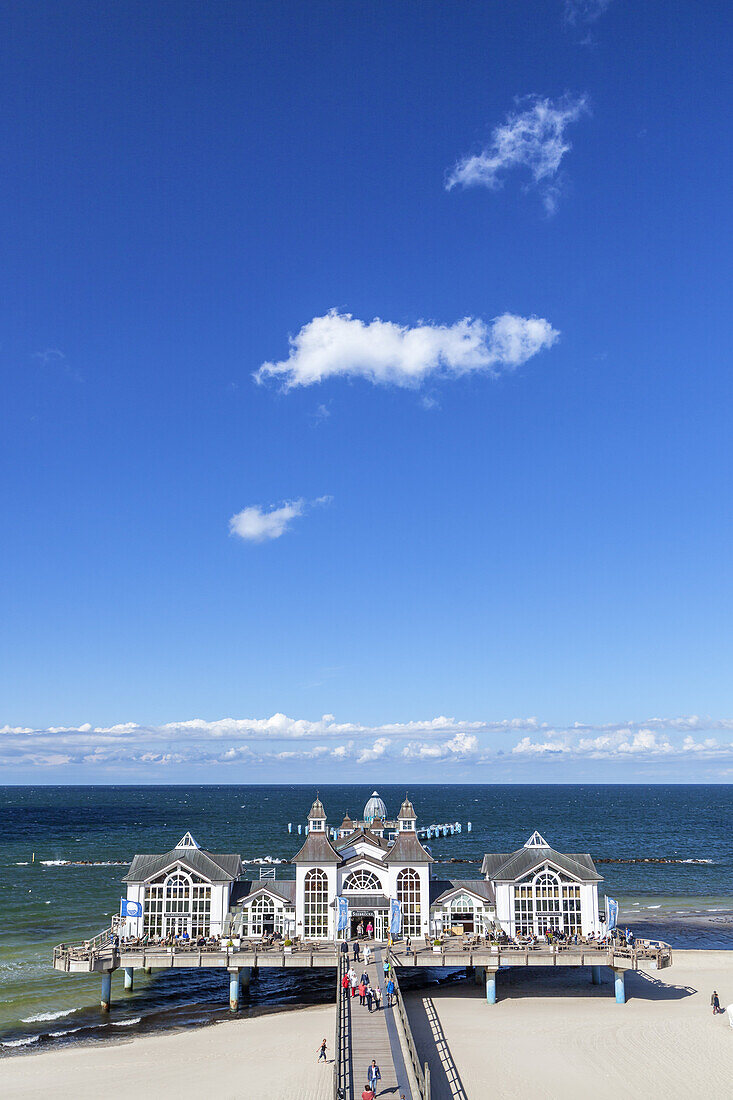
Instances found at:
x=317 y=817
x=407 y=817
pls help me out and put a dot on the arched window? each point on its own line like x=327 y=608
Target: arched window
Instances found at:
x=262 y=915
x=546 y=902
x=315 y=916
x=408 y=892
x=178 y=902
x=178 y=894
x=461 y=904
x=362 y=880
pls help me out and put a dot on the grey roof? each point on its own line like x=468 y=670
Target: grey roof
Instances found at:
x=478 y=886
x=501 y=867
x=211 y=866
x=363 y=834
x=366 y=901
x=406 y=848
x=407 y=809
x=363 y=858
x=317 y=811
x=317 y=849
x=246 y=889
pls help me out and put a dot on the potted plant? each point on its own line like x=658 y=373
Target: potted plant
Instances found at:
x=288 y=946
x=436 y=946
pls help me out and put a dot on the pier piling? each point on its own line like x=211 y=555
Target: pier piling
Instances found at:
x=620 y=986
x=595 y=975
x=106 y=997
x=234 y=990
x=490 y=987
x=129 y=971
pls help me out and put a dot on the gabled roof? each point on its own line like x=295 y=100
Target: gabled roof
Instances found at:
x=406 y=848
x=317 y=849
x=347 y=823
x=500 y=867
x=215 y=868
x=187 y=841
x=366 y=901
x=362 y=857
x=363 y=834
x=246 y=890
x=479 y=887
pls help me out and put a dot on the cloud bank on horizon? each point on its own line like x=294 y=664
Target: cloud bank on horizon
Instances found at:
x=388 y=354
x=532 y=138
x=280 y=740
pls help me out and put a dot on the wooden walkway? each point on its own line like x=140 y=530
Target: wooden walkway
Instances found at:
x=375 y=1035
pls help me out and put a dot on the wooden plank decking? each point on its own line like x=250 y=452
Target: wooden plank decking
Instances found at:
x=375 y=1035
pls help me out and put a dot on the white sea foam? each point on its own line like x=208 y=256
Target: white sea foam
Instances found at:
x=66 y=1031
x=24 y=864
x=127 y=1023
x=26 y=1042
x=48 y=1016
x=54 y=862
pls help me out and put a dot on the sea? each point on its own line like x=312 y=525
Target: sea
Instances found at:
x=64 y=850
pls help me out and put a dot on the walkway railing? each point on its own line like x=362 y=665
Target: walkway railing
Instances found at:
x=420 y=1069
x=342 y=1082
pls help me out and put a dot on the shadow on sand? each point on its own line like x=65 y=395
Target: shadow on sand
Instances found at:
x=445 y=1080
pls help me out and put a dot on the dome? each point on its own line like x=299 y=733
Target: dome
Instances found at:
x=375 y=807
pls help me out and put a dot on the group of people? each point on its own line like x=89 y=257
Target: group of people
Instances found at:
x=369 y=995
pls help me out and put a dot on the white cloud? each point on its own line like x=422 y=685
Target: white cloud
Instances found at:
x=257 y=524
x=460 y=747
x=385 y=353
x=532 y=137
x=376 y=752
x=584 y=11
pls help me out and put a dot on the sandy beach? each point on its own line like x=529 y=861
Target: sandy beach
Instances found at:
x=552 y=1034
x=271 y=1056
x=555 y=1035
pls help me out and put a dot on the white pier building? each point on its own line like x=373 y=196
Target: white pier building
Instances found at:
x=524 y=893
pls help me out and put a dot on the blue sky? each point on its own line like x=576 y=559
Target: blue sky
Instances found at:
x=498 y=545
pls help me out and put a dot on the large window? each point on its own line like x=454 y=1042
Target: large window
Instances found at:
x=362 y=880
x=408 y=892
x=262 y=915
x=546 y=902
x=315 y=919
x=179 y=903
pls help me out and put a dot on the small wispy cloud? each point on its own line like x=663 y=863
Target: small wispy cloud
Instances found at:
x=584 y=11
x=532 y=138
x=385 y=353
x=258 y=524
x=54 y=357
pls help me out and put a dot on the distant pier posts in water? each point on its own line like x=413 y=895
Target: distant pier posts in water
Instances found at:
x=129 y=971
x=490 y=987
x=620 y=985
x=595 y=975
x=106 y=998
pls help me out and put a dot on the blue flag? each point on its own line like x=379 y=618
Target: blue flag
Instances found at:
x=130 y=908
x=395 y=917
x=612 y=914
x=342 y=911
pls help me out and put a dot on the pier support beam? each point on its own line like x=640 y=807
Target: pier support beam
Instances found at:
x=129 y=971
x=478 y=975
x=244 y=976
x=234 y=990
x=106 y=998
x=595 y=975
x=490 y=987
x=148 y=969
x=620 y=986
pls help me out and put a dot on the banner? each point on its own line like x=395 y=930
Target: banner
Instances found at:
x=342 y=914
x=611 y=914
x=130 y=908
x=395 y=917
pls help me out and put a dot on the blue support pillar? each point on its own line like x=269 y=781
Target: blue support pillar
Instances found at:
x=491 y=987
x=106 y=998
x=129 y=971
x=620 y=984
x=595 y=975
x=234 y=990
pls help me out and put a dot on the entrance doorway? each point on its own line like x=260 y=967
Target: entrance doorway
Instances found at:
x=360 y=919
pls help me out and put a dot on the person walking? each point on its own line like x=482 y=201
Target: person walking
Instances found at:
x=385 y=968
x=367 y=953
x=356 y=951
x=345 y=982
x=360 y=929
x=390 y=992
x=345 y=948
x=715 y=1003
x=368 y=1093
x=322 y=1052
x=378 y=997
x=362 y=993
x=408 y=942
x=353 y=982
x=369 y=997
x=370 y=930
x=374 y=1076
